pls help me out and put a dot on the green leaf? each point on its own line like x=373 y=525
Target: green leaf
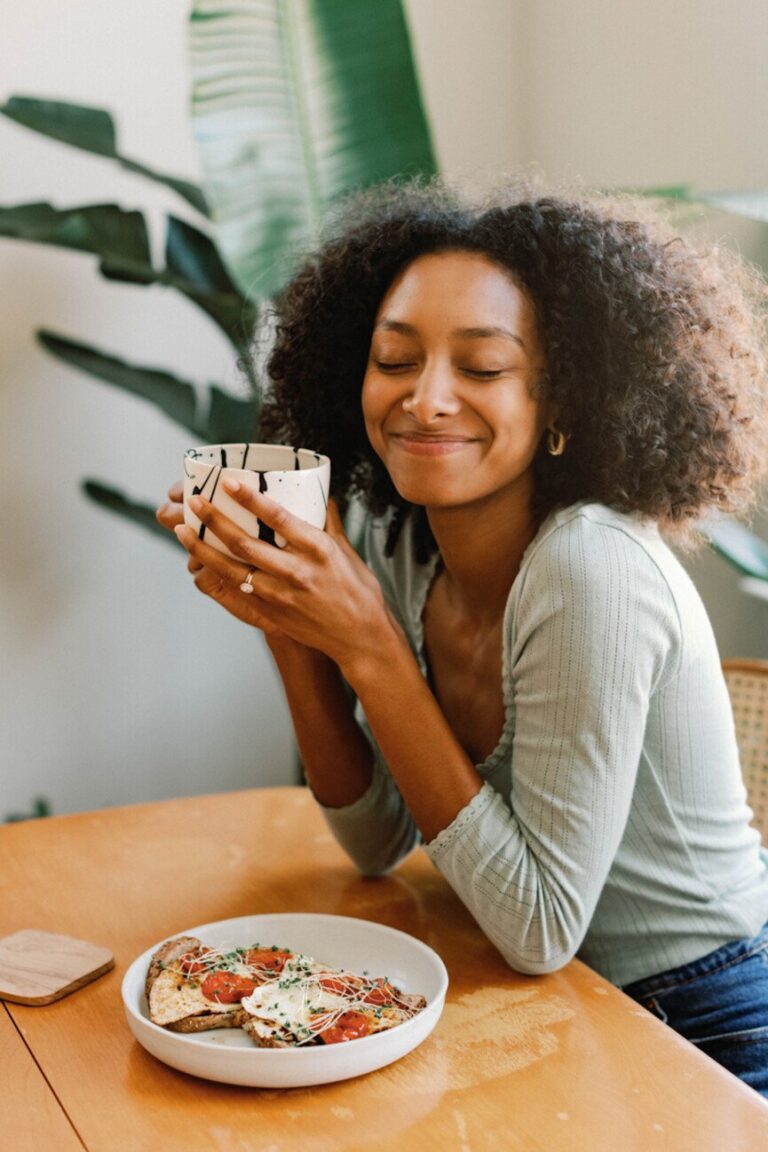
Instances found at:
x=176 y=398
x=231 y=420
x=121 y=241
x=225 y=418
x=91 y=130
x=753 y=205
x=294 y=104
x=738 y=545
x=194 y=266
x=41 y=807
x=114 y=501
x=664 y=192
x=118 y=237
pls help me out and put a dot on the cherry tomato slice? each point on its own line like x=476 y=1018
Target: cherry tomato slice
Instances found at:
x=339 y=985
x=227 y=987
x=193 y=963
x=266 y=959
x=383 y=993
x=349 y=1026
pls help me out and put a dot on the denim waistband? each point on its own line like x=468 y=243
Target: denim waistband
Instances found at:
x=706 y=965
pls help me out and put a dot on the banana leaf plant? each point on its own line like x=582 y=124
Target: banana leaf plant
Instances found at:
x=294 y=103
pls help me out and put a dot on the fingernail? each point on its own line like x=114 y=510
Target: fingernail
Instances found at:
x=195 y=503
x=232 y=485
x=183 y=533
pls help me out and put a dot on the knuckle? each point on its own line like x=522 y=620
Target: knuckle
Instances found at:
x=302 y=579
x=246 y=547
x=324 y=546
x=279 y=516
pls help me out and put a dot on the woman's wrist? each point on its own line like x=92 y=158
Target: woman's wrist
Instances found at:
x=383 y=646
x=286 y=651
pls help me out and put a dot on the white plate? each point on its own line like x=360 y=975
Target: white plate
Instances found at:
x=230 y=1056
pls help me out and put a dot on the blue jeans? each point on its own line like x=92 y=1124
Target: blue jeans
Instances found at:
x=720 y=1004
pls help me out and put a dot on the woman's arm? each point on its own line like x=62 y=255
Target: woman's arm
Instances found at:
x=593 y=634
x=318 y=595
x=337 y=757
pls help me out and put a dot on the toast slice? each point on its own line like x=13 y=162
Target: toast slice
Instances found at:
x=281 y=999
x=174 y=989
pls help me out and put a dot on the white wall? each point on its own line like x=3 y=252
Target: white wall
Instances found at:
x=118 y=682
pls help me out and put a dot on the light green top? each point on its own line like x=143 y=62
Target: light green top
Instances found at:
x=612 y=822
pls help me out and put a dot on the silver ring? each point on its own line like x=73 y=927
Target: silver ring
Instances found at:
x=247 y=586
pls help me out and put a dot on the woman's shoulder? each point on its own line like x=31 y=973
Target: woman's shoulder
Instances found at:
x=592 y=549
x=585 y=530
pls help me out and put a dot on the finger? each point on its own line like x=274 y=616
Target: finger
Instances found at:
x=256 y=553
x=248 y=608
x=205 y=556
x=193 y=565
x=169 y=515
x=297 y=532
x=176 y=492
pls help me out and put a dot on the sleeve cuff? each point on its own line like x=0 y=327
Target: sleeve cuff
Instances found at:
x=468 y=816
x=369 y=801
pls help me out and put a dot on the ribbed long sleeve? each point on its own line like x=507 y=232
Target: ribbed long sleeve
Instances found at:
x=612 y=822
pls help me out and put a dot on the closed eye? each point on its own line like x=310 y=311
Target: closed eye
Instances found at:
x=480 y=375
x=389 y=366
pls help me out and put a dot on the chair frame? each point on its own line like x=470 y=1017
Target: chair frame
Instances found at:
x=750 y=715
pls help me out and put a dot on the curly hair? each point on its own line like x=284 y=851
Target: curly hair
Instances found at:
x=655 y=353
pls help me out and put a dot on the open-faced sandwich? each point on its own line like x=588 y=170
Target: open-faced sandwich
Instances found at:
x=282 y=999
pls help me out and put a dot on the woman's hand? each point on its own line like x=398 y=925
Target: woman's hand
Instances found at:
x=171 y=515
x=316 y=591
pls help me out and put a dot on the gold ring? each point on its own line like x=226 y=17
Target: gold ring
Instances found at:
x=247 y=586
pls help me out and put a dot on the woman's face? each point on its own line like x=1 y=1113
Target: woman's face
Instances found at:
x=447 y=395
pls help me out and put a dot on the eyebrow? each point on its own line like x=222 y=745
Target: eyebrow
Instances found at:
x=482 y=333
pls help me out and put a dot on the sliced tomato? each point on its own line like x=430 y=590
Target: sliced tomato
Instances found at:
x=339 y=985
x=193 y=963
x=267 y=960
x=349 y=1026
x=383 y=993
x=227 y=987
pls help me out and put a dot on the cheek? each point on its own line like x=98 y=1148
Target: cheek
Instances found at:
x=371 y=407
x=375 y=402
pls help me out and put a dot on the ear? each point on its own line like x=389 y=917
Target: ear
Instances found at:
x=551 y=413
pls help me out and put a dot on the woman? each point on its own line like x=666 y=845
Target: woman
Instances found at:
x=525 y=396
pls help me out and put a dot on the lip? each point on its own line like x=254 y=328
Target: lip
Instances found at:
x=421 y=444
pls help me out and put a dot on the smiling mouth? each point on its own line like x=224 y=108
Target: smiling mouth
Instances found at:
x=421 y=444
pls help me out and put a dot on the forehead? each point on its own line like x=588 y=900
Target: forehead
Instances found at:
x=465 y=284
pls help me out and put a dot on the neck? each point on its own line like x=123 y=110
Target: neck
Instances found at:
x=482 y=547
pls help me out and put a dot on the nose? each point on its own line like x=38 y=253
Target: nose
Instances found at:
x=432 y=395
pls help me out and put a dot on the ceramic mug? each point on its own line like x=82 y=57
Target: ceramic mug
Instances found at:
x=296 y=478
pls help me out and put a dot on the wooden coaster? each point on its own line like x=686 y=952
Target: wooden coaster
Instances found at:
x=40 y=967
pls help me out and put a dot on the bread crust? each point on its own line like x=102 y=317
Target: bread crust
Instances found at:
x=166 y=954
x=204 y=1022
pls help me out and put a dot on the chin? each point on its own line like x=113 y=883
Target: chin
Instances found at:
x=429 y=496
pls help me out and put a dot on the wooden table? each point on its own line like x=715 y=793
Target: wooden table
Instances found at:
x=562 y=1062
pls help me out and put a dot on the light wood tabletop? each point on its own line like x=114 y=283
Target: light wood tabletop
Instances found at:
x=561 y=1062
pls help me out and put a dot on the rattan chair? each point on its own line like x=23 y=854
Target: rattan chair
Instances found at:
x=747 y=682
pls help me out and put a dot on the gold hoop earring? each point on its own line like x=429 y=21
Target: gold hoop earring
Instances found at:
x=555 y=442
